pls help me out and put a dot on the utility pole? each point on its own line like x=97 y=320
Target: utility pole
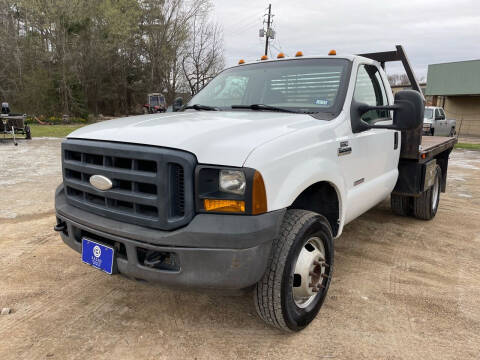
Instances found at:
x=267 y=35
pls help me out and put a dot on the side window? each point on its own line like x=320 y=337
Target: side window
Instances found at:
x=369 y=89
x=442 y=113
x=437 y=114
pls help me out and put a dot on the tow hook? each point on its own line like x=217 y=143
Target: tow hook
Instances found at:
x=153 y=259
x=60 y=227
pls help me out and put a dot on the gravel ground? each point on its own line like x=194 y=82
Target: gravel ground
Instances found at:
x=402 y=289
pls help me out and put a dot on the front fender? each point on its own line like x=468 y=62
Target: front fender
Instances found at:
x=291 y=164
x=313 y=171
x=285 y=183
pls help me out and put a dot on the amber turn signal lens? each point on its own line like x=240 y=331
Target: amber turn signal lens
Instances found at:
x=299 y=53
x=259 y=196
x=332 y=52
x=264 y=57
x=241 y=61
x=280 y=55
x=224 y=205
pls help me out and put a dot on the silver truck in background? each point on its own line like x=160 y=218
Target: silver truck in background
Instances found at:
x=435 y=122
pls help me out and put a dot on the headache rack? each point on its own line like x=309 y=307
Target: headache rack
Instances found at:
x=411 y=139
x=418 y=153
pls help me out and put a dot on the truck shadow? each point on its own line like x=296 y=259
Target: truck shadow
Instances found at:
x=196 y=310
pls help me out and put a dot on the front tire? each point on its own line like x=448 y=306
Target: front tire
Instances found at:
x=299 y=272
x=426 y=205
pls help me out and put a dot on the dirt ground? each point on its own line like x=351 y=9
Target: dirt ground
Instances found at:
x=402 y=288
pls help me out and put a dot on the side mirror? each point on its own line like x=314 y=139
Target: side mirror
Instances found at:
x=177 y=104
x=408 y=109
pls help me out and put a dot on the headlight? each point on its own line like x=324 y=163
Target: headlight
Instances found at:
x=229 y=190
x=232 y=181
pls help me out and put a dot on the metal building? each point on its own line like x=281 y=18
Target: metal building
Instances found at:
x=456 y=87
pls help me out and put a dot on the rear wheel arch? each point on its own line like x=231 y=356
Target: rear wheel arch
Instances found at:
x=324 y=198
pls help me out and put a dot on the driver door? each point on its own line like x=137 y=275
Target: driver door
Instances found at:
x=376 y=150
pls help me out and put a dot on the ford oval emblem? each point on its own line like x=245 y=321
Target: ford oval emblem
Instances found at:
x=101 y=182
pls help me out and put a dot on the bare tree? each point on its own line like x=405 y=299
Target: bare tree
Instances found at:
x=203 y=54
x=101 y=56
x=398 y=80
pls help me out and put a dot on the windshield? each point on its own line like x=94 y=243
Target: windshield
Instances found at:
x=428 y=113
x=302 y=85
x=156 y=100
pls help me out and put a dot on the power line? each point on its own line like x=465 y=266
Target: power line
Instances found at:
x=242 y=26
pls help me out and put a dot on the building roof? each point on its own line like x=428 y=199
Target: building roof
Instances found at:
x=455 y=78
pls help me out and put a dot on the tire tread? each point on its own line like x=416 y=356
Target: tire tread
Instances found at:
x=267 y=294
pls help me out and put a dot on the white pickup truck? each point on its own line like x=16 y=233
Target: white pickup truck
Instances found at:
x=248 y=186
x=435 y=122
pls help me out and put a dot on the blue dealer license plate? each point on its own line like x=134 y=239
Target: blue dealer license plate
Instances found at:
x=97 y=255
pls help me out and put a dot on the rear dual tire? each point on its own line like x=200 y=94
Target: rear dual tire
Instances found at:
x=401 y=205
x=298 y=274
x=426 y=205
x=422 y=207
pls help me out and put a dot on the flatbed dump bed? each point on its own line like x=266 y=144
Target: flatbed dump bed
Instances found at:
x=434 y=145
x=415 y=168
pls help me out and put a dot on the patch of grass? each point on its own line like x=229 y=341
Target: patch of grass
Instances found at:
x=53 y=130
x=467 y=146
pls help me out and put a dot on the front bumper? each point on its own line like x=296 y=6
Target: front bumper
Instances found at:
x=212 y=251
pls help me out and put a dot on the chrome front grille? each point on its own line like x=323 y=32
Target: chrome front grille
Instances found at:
x=152 y=186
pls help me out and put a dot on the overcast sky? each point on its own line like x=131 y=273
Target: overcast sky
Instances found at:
x=432 y=31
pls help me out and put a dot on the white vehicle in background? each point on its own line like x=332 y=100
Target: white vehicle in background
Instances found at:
x=435 y=122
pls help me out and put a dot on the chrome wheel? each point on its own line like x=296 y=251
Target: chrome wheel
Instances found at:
x=310 y=272
x=435 y=192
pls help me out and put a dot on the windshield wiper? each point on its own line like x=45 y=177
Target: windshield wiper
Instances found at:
x=263 y=107
x=202 y=107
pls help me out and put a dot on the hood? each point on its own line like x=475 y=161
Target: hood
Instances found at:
x=215 y=137
x=427 y=121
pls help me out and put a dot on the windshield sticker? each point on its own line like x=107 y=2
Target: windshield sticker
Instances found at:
x=322 y=102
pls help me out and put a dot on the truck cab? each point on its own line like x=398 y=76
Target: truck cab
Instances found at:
x=250 y=184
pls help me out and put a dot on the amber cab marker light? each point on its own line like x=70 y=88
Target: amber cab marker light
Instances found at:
x=280 y=55
x=332 y=52
x=259 y=196
x=241 y=61
x=264 y=57
x=299 y=53
x=234 y=206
